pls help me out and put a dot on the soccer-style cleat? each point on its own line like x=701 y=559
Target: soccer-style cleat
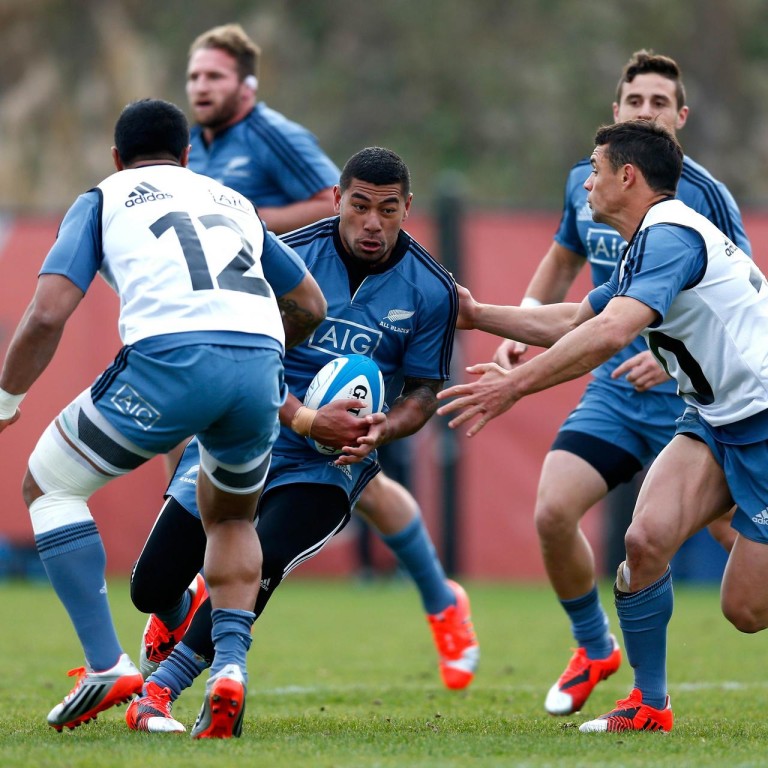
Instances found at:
x=582 y=674
x=221 y=716
x=158 y=641
x=632 y=715
x=94 y=692
x=456 y=641
x=151 y=712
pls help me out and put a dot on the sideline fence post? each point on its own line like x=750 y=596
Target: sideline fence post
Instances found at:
x=449 y=219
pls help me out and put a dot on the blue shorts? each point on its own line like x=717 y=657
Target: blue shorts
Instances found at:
x=745 y=472
x=227 y=395
x=639 y=423
x=293 y=461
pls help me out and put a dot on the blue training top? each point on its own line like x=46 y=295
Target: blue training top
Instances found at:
x=603 y=247
x=266 y=157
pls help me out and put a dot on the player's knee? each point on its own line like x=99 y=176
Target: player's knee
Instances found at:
x=387 y=505
x=142 y=593
x=744 y=617
x=552 y=522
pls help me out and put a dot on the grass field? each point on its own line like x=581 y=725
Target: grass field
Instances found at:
x=342 y=674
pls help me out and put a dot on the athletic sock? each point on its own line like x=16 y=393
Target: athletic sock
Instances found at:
x=178 y=671
x=231 y=633
x=589 y=624
x=174 y=617
x=643 y=617
x=75 y=561
x=415 y=551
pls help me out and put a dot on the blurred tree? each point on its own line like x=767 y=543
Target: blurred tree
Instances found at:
x=507 y=93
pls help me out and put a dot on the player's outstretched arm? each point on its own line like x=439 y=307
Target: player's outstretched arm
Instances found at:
x=36 y=338
x=591 y=343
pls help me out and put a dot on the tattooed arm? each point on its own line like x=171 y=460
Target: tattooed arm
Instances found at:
x=302 y=310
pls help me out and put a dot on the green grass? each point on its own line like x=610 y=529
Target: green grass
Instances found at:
x=343 y=674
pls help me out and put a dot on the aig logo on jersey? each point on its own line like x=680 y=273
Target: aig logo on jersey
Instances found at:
x=127 y=400
x=604 y=246
x=342 y=337
x=145 y=193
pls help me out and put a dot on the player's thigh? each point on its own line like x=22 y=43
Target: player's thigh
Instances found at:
x=236 y=447
x=296 y=520
x=684 y=490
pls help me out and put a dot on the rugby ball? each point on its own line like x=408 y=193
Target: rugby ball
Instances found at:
x=354 y=377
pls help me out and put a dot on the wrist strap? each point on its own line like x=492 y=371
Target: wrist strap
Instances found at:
x=302 y=420
x=9 y=403
x=529 y=301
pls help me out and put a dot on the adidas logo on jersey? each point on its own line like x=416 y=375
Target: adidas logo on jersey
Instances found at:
x=145 y=193
x=761 y=518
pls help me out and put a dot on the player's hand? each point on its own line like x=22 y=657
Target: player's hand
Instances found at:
x=7 y=422
x=642 y=371
x=509 y=353
x=336 y=424
x=377 y=432
x=487 y=397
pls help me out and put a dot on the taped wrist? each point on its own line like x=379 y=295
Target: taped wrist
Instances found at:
x=302 y=420
x=9 y=403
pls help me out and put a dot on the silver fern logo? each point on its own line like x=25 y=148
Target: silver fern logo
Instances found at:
x=395 y=315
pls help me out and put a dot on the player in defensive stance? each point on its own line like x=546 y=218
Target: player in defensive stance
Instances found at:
x=203 y=355
x=702 y=306
x=627 y=413
x=387 y=298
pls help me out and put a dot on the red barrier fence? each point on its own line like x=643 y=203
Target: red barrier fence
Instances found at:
x=498 y=469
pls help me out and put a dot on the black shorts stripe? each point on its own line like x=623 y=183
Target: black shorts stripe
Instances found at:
x=105 y=447
x=102 y=384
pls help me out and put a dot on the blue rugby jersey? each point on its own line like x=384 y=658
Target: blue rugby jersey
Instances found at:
x=266 y=157
x=403 y=317
x=603 y=247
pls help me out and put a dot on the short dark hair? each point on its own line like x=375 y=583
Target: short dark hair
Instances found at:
x=151 y=129
x=232 y=39
x=378 y=166
x=646 y=145
x=644 y=62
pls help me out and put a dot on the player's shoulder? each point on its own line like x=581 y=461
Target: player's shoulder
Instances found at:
x=700 y=190
x=695 y=180
x=696 y=172
x=423 y=269
x=264 y=119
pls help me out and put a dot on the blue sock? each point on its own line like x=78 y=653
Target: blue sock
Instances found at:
x=178 y=671
x=231 y=635
x=416 y=553
x=643 y=617
x=589 y=624
x=75 y=561
x=173 y=617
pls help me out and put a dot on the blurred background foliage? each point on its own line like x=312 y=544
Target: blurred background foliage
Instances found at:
x=507 y=93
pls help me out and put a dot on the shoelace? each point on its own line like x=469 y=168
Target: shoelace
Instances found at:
x=160 y=699
x=80 y=673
